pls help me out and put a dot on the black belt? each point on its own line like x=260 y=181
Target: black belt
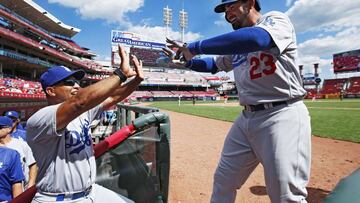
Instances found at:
x=260 y=107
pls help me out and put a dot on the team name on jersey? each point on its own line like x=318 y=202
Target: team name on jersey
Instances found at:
x=239 y=59
x=76 y=141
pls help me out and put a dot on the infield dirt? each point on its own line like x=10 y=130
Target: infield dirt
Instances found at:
x=196 y=144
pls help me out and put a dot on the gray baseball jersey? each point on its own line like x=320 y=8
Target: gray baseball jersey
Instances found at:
x=26 y=155
x=271 y=75
x=65 y=159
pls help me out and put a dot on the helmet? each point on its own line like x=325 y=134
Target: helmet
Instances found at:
x=221 y=7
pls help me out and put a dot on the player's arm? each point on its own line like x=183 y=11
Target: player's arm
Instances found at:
x=206 y=65
x=17 y=189
x=125 y=90
x=16 y=176
x=240 y=41
x=33 y=170
x=89 y=97
x=244 y=40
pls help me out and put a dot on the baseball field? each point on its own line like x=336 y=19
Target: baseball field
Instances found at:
x=198 y=133
x=333 y=119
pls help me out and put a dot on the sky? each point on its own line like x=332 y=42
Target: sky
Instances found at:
x=323 y=27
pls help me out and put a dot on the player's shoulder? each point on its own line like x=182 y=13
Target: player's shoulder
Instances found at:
x=274 y=19
x=40 y=115
x=273 y=15
x=9 y=152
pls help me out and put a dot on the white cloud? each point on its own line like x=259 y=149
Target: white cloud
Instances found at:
x=326 y=46
x=109 y=10
x=288 y=2
x=114 y=11
x=308 y=15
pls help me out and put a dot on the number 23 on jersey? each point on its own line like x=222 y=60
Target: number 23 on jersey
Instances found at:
x=262 y=66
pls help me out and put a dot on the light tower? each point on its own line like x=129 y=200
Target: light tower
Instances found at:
x=167 y=12
x=183 y=22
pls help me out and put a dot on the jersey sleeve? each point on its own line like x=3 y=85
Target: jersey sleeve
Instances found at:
x=224 y=63
x=16 y=172
x=280 y=28
x=43 y=124
x=30 y=160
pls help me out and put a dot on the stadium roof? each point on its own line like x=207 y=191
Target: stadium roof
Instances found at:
x=39 y=16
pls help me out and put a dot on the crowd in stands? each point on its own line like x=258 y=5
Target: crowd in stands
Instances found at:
x=20 y=86
x=148 y=56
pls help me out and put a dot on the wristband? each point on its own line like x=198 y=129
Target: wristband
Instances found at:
x=121 y=75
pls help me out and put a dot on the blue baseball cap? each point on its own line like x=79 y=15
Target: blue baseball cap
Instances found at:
x=58 y=73
x=12 y=114
x=5 y=122
x=221 y=7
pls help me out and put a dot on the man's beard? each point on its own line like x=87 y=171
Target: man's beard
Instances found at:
x=235 y=26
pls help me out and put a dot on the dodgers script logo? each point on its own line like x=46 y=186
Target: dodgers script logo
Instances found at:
x=239 y=59
x=78 y=141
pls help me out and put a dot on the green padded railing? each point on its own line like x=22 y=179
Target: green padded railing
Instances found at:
x=139 y=167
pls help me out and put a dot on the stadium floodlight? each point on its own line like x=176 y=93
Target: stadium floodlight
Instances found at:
x=167 y=13
x=183 y=22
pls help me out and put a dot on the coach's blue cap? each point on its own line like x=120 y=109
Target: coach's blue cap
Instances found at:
x=5 y=121
x=58 y=73
x=221 y=7
x=12 y=114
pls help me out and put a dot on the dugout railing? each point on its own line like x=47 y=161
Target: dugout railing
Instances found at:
x=135 y=160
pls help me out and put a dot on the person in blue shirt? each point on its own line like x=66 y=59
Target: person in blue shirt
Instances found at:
x=19 y=131
x=11 y=174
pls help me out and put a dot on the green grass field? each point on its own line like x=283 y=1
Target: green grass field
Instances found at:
x=329 y=118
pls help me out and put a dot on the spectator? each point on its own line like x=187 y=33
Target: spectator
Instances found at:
x=18 y=131
x=11 y=175
x=193 y=100
x=27 y=160
x=67 y=168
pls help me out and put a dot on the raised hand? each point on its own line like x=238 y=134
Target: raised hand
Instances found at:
x=138 y=67
x=182 y=54
x=124 y=64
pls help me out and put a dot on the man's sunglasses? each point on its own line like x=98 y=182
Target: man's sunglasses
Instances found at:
x=68 y=82
x=5 y=126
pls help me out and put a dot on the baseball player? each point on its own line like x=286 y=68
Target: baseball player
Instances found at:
x=60 y=136
x=274 y=127
x=27 y=160
x=11 y=174
x=18 y=131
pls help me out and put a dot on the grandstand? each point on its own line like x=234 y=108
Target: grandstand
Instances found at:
x=31 y=40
